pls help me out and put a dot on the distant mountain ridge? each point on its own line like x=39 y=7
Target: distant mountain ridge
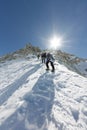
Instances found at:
x=23 y=52
x=72 y=62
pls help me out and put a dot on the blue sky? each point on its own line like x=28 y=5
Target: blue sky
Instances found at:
x=36 y=21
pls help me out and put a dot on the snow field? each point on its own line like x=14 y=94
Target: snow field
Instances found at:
x=33 y=99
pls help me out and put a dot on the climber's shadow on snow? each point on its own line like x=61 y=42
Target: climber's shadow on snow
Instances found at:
x=35 y=113
x=40 y=101
x=16 y=84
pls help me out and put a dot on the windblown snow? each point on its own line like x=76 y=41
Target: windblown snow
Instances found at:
x=33 y=99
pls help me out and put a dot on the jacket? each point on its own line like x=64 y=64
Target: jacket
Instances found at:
x=50 y=57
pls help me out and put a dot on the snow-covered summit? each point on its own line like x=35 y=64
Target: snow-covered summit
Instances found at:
x=33 y=99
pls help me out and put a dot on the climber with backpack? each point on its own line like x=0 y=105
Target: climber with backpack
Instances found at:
x=43 y=57
x=50 y=59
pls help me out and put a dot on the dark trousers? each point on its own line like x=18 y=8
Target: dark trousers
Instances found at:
x=52 y=65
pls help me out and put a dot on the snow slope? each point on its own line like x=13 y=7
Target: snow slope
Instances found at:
x=33 y=99
x=82 y=68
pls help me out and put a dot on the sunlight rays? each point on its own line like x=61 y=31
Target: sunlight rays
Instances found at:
x=55 y=42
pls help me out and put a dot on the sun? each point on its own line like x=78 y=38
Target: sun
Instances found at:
x=55 y=42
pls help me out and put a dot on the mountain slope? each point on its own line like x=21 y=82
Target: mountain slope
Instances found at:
x=72 y=62
x=33 y=99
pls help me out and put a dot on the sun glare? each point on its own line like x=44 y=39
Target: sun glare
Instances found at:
x=55 y=42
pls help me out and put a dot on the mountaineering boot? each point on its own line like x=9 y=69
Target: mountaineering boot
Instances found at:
x=47 y=69
x=53 y=70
